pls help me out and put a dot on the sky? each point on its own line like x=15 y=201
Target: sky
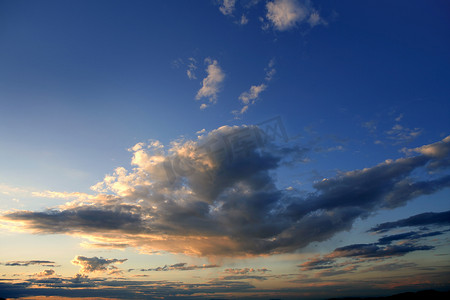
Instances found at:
x=254 y=149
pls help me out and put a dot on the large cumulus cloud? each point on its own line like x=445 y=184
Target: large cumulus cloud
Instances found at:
x=218 y=196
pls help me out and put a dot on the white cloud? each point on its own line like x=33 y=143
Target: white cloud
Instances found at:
x=251 y=95
x=286 y=14
x=211 y=83
x=227 y=7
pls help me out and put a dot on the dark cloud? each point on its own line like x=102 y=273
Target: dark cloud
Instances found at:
x=407 y=236
x=218 y=196
x=95 y=264
x=424 y=219
x=26 y=263
x=353 y=255
x=375 y=251
x=358 y=253
x=180 y=267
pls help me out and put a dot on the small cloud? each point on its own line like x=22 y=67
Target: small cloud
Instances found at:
x=270 y=70
x=26 y=263
x=120 y=246
x=46 y=273
x=252 y=95
x=401 y=134
x=424 y=219
x=227 y=7
x=95 y=264
x=245 y=271
x=243 y=20
x=192 y=66
x=180 y=267
x=287 y=14
x=370 y=125
x=315 y=19
x=211 y=83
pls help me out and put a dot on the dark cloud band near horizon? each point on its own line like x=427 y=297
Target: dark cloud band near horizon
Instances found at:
x=217 y=206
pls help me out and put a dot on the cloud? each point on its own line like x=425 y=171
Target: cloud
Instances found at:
x=217 y=196
x=407 y=236
x=243 y=20
x=400 y=134
x=26 y=263
x=375 y=251
x=82 y=286
x=250 y=97
x=95 y=264
x=423 y=219
x=334 y=263
x=180 y=267
x=358 y=253
x=192 y=66
x=270 y=70
x=440 y=151
x=242 y=271
x=212 y=82
x=287 y=14
x=227 y=7
x=46 y=273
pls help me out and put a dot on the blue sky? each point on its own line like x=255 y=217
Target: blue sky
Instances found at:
x=98 y=98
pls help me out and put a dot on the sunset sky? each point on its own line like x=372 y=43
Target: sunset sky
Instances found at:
x=218 y=149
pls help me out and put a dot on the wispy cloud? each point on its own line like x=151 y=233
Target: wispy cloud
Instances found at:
x=400 y=134
x=180 y=267
x=250 y=97
x=211 y=83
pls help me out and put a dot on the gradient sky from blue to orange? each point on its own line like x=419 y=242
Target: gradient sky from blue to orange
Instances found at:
x=355 y=83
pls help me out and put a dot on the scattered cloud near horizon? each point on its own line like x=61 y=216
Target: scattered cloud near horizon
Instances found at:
x=26 y=263
x=96 y=264
x=179 y=267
